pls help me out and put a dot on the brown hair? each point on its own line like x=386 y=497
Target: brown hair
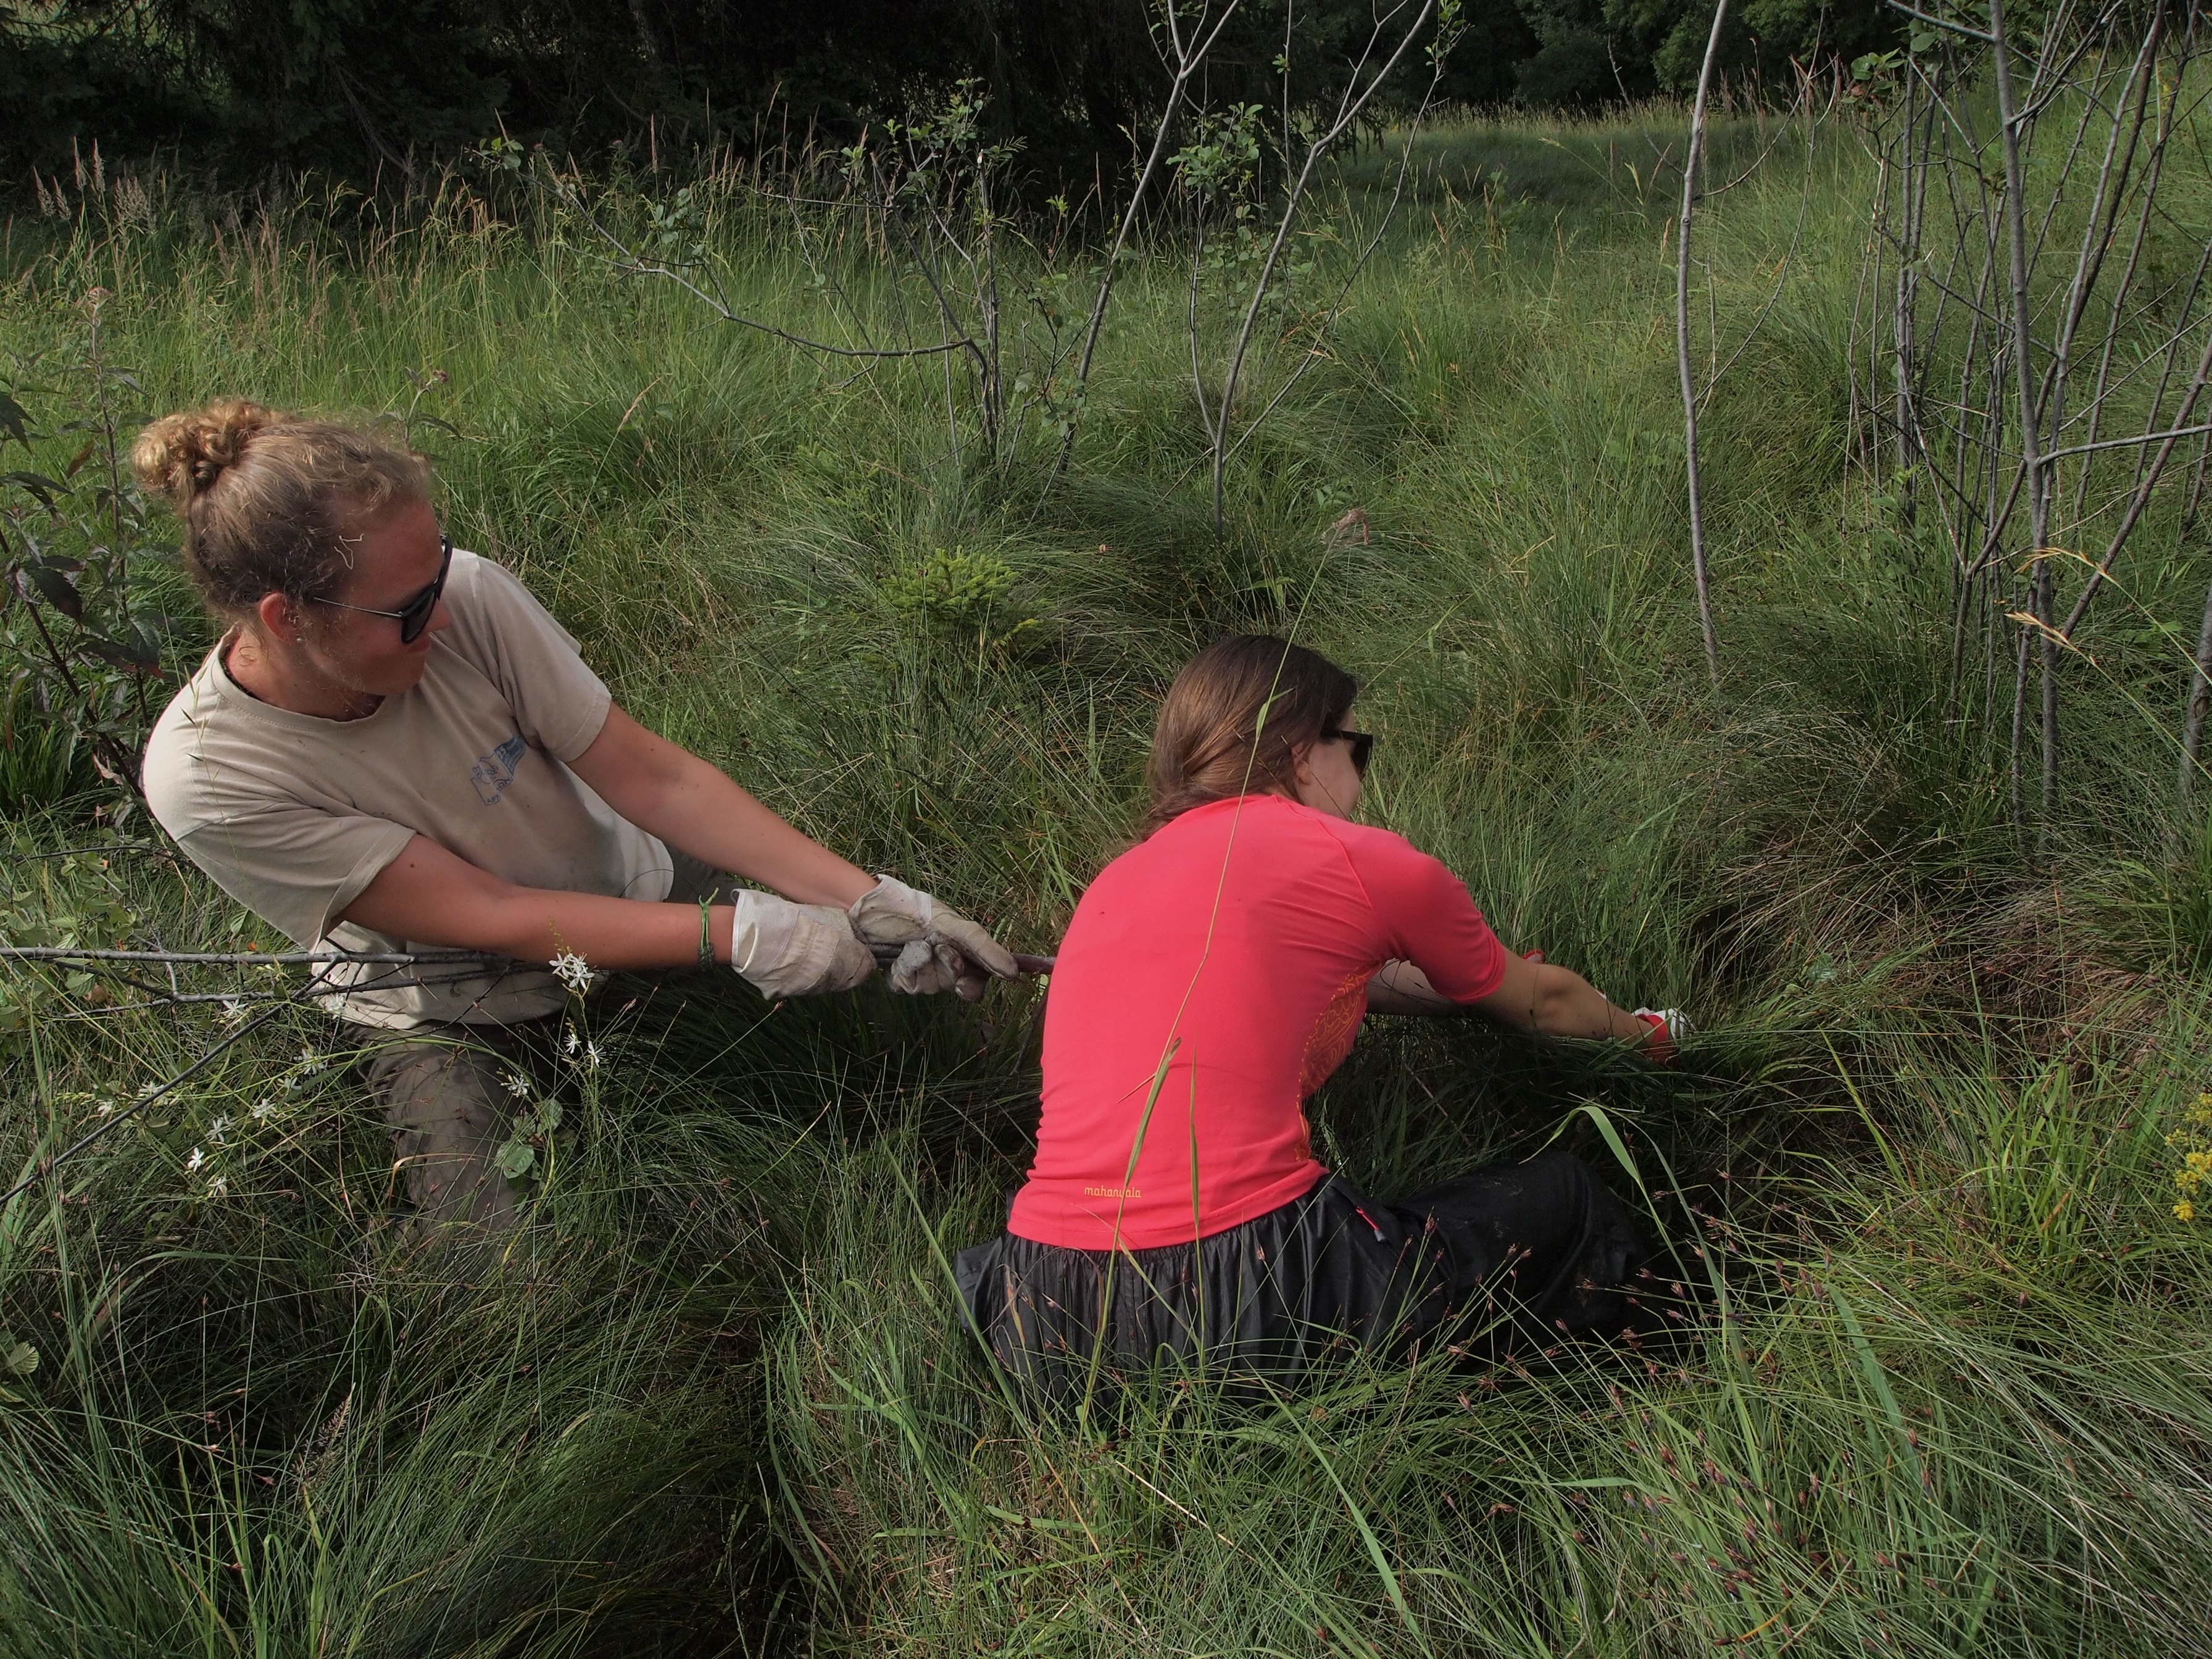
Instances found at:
x=1235 y=718
x=269 y=499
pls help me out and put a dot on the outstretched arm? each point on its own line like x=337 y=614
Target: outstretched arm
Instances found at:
x=692 y=806
x=1535 y=996
x=668 y=792
x=434 y=896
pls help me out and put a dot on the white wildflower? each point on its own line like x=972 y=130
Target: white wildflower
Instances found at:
x=573 y=971
x=193 y=1163
x=233 y=1011
x=310 y=1062
x=517 y=1084
x=592 y=1056
x=218 y=1129
x=148 y=1091
x=105 y=1109
x=217 y=1186
x=263 y=1109
x=568 y=1041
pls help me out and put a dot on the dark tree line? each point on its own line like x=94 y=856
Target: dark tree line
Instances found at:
x=364 y=88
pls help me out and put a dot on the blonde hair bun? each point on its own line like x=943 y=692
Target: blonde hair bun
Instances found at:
x=180 y=456
x=293 y=492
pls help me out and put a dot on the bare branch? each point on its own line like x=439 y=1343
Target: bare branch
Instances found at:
x=2142 y=492
x=633 y=264
x=1344 y=291
x=1349 y=109
x=1187 y=61
x=2129 y=443
x=239 y=958
x=1697 y=559
x=2023 y=343
x=1943 y=23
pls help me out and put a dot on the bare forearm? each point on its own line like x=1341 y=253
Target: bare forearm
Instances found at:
x=1567 y=1005
x=712 y=819
x=1557 y=1003
x=670 y=792
x=533 y=924
x=1531 y=994
x=429 y=896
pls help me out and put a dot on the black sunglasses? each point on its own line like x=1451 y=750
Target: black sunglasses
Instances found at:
x=1363 y=745
x=415 y=616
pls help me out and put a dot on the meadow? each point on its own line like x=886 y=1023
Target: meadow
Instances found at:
x=1950 y=1387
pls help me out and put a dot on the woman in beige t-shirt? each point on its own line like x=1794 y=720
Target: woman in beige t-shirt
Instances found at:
x=394 y=747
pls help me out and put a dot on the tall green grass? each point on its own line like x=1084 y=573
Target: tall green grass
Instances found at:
x=1949 y=1393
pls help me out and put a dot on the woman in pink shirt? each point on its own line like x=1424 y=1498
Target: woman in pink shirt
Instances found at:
x=1213 y=976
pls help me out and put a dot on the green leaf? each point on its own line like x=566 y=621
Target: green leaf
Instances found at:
x=515 y=1160
x=15 y=420
x=56 y=590
x=135 y=657
x=38 y=484
x=20 y=1360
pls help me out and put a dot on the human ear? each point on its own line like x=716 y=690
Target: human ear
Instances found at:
x=277 y=619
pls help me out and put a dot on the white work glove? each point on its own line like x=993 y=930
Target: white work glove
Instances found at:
x=1668 y=1027
x=787 y=949
x=940 y=949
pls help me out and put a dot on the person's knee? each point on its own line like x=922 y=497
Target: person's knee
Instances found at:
x=449 y=1106
x=476 y=1115
x=443 y=1085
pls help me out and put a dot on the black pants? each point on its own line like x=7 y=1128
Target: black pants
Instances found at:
x=1513 y=1253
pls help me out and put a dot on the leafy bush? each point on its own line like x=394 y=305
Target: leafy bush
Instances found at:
x=83 y=619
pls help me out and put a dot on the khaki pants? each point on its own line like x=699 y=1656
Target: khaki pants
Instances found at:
x=444 y=1094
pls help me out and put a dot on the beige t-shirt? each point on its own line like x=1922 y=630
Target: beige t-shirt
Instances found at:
x=292 y=815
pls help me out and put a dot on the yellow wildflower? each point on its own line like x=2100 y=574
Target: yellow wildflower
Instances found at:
x=2192 y=1138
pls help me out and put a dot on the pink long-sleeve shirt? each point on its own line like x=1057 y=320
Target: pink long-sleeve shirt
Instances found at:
x=1213 y=978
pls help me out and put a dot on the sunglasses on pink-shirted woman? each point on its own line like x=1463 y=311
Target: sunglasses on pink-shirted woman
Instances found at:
x=1363 y=745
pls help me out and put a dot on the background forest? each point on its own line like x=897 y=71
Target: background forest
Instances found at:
x=366 y=88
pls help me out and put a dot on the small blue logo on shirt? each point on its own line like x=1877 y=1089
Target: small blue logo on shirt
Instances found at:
x=492 y=773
